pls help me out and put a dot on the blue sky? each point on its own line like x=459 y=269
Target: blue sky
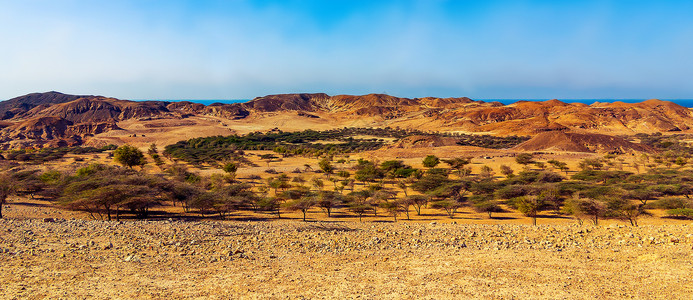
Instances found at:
x=150 y=49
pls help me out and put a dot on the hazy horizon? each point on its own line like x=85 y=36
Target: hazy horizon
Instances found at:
x=680 y=101
x=242 y=49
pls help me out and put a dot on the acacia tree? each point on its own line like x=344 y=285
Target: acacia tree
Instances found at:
x=506 y=171
x=404 y=204
x=591 y=208
x=430 y=181
x=153 y=149
x=328 y=200
x=488 y=207
x=551 y=197
x=326 y=166
x=559 y=165
x=140 y=199
x=268 y=158
x=456 y=190
x=379 y=196
x=390 y=166
x=359 y=209
x=270 y=204
x=642 y=193
x=524 y=159
x=204 y=201
x=367 y=171
x=7 y=187
x=277 y=184
x=317 y=183
x=230 y=167
x=403 y=186
x=431 y=161
x=530 y=206
x=108 y=197
x=392 y=207
x=183 y=192
x=458 y=163
x=344 y=174
x=486 y=172
x=129 y=156
x=153 y=152
x=418 y=201
x=99 y=194
x=397 y=169
x=303 y=205
x=301 y=199
x=623 y=209
x=450 y=206
x=359 y=202
x=234 y=196
x=591 y=164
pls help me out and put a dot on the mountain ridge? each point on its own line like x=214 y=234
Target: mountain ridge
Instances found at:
x=79 y=116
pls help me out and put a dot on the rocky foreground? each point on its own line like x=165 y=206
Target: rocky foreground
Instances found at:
x=286 y=259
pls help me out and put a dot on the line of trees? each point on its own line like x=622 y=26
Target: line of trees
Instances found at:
x=597 y=191
x=38 y=156
x=312 y=143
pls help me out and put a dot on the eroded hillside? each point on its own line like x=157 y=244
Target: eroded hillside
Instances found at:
x=48 y=119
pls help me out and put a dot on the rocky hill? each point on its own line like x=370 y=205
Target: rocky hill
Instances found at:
x=366 y=105
x=464 y=114
x=24 y=120
x=580 y=142
x=21 y=104
x=533 y=117
x=56 y=119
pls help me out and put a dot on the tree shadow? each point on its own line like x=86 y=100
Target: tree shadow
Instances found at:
x=553 y=217
x=249 y=218
x=320 y=226
x=341 y=216
x=28 y=204
x=503 y=218
x=677 y=217
x=424 y=219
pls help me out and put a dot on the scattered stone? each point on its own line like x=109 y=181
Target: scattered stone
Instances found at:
x=107 y=246
x=281 y=245
x=132 y=258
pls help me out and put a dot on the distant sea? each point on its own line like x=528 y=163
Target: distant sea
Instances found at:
x=682 y=102
x=207 y=102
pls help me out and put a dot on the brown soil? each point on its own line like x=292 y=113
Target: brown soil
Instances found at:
x=46 y=252
x=56 y=258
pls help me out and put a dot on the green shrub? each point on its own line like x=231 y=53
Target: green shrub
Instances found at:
x=681 y=212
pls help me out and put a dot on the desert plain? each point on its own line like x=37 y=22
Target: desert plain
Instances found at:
x=48 y=251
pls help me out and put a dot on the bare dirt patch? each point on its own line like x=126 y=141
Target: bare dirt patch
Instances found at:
x=288 y=259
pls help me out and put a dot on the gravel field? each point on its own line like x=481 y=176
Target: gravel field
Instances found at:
x=56 y=258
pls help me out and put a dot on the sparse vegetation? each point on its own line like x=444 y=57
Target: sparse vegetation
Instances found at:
x=39 y=156
x=312 y=143
x=128 y=156
x=603 y=188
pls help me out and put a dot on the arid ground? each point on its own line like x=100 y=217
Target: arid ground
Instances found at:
x=48 y=252
x=59 y=255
